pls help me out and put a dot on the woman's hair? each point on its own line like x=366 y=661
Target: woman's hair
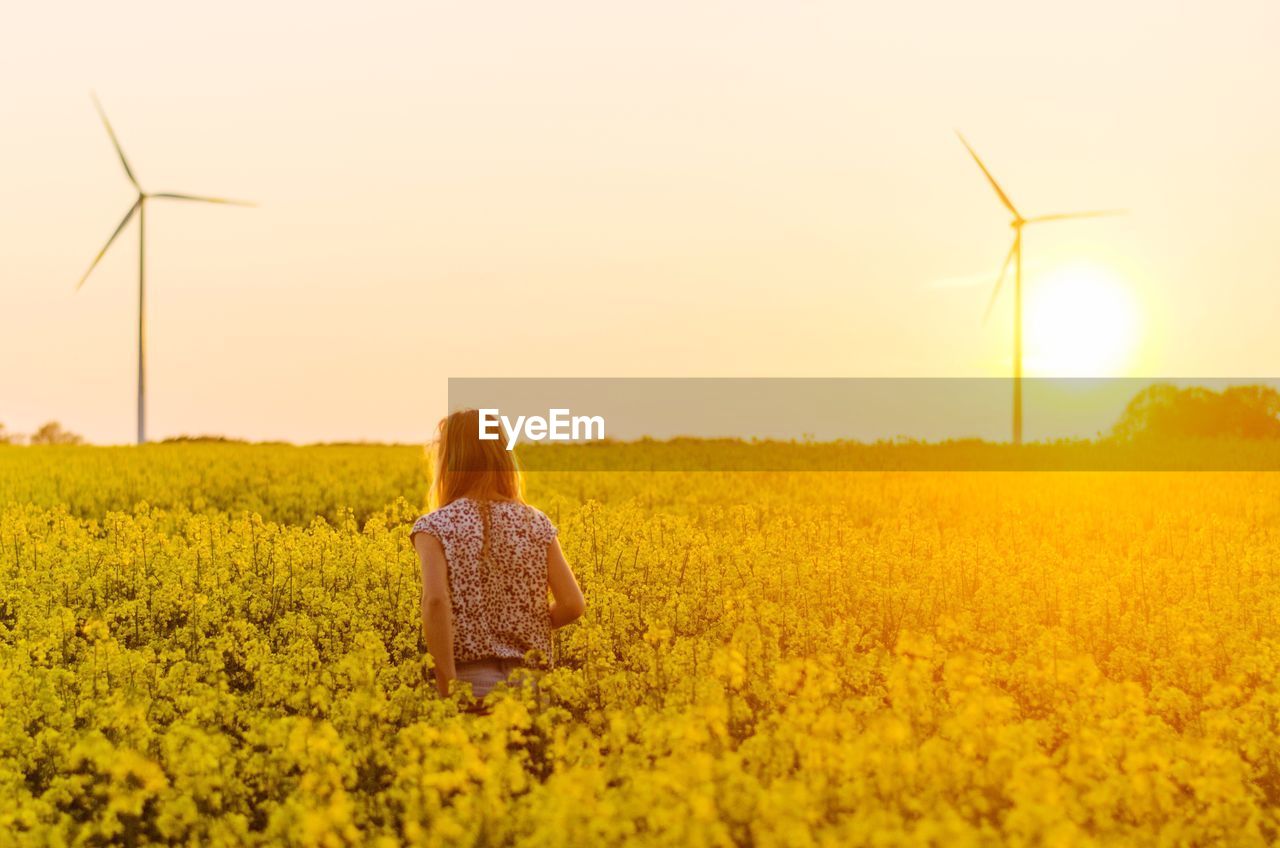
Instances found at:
x=467 y=466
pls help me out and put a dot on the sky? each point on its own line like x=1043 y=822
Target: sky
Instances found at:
x=665 y=189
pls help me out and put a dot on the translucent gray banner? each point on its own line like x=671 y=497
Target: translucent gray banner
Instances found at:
x=867 y=424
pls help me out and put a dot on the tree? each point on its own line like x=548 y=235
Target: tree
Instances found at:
x=53 y=434
x=1164 y=411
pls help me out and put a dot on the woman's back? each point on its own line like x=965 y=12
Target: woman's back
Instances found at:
x=498 y=591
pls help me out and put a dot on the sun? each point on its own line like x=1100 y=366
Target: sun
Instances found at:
x=1081 y=321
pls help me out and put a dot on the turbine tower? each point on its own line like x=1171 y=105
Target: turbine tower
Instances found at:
x=139 y=208
x=1015 y=256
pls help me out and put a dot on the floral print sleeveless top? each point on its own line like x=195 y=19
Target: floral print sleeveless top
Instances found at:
x=499 y=596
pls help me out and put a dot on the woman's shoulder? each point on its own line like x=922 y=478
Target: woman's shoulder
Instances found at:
x=543 y=527
x=462 y=515
x=443 y=519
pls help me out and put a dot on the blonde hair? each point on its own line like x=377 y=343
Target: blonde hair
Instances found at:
x=465 y=466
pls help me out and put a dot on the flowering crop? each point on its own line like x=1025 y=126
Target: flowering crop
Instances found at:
x=767 y=658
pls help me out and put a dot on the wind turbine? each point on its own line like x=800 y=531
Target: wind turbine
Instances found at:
x=139 y=208
x=1015 y=255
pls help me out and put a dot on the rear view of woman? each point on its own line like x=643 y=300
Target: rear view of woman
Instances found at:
x=488 y=561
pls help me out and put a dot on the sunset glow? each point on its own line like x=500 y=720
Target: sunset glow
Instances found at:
x=726 y=173
x=1082 y=321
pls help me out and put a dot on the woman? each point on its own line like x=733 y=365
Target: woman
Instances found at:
x=488 y=559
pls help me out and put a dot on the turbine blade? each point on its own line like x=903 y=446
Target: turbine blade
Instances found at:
x=995 y=293
x=120 y=151
x=200 y=199
x=101 y=253
x=1004 y=198
x=1064 y=216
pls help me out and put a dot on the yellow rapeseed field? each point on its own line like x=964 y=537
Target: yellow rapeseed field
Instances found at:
x=219 y=644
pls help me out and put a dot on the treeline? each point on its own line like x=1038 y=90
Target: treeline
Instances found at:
x=51 y=433
x=1159 y=412
x=1168 y=412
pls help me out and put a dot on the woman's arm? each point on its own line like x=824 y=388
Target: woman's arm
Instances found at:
x=569 y=603
x=437 y=610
